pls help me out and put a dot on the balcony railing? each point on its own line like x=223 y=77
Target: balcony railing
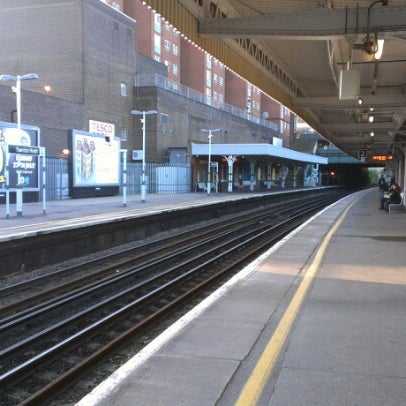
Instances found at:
x=162 y=82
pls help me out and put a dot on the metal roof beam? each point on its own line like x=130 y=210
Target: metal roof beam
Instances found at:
x=334 y=103
x=308 y=25
x=358 y=127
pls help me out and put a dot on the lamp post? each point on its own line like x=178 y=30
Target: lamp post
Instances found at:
x=18 y=79
x=124 y=152
x=143 y=181
x=210 y=131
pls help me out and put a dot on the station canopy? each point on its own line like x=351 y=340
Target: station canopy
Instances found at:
x=259 y=150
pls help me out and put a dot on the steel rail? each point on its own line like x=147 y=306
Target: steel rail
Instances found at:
x=239 y=242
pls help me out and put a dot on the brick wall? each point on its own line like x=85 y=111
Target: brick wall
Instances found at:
x=83 y=50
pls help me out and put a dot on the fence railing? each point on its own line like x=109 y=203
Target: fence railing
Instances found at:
x=162 y=178
x=191 y=94
x=57 y=178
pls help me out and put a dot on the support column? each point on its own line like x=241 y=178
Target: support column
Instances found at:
x=230 y=161
x=283 y=175
x=252 y=174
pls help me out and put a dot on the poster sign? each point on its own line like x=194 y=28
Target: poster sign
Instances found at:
x=23 y=156
x=95 y=160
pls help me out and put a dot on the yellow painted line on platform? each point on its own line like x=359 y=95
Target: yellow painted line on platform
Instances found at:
x=255 y=384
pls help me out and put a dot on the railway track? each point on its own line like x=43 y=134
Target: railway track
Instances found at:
x=56 y=328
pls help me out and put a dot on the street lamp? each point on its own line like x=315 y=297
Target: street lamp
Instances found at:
x=18 y=79
x=210 y=131
x=143 y=181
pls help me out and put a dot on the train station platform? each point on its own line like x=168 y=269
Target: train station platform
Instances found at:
x=320 y=319
x=69 y=213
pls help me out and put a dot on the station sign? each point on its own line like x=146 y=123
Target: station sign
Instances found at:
x=362 y=153
x=21 y=149
x=382 y=157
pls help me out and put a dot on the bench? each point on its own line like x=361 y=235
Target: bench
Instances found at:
x=238 y=186
x=400 y=205
x=269 y=184
x=201 y=186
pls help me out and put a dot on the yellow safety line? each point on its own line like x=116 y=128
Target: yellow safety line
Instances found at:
x=254 y=387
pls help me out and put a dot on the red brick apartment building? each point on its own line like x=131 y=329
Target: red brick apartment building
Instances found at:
x=191 y=66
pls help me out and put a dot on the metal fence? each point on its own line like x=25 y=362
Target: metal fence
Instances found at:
x=162 y=178
x=57 y=179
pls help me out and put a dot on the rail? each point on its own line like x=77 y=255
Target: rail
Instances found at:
x=110 y=300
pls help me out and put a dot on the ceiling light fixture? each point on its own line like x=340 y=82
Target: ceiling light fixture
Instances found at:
x=378 y=53
x=371 y=45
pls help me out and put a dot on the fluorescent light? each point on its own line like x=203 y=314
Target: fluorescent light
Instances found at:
x=371 y=119
x=378 y=53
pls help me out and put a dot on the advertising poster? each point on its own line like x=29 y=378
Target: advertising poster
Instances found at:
x=23 y=167
x=95 y=161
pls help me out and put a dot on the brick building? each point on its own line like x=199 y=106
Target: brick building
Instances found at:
x=82 y=51
x=191 y=66
x=84 y=54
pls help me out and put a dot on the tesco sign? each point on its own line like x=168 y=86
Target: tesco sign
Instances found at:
x=98 y=127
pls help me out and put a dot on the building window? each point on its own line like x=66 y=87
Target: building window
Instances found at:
x=164 y=118
x=157 y=22
x=123 y=134
x=175 y=69
x=157 y=44
x=157 y=58
x=167 y=44
x=175 y=49
x=221 y=81
x=208 y=61
x=123 y=89
x=208 y=78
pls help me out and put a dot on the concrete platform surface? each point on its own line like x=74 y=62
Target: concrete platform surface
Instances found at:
x=344 y=343
x=66 y=213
